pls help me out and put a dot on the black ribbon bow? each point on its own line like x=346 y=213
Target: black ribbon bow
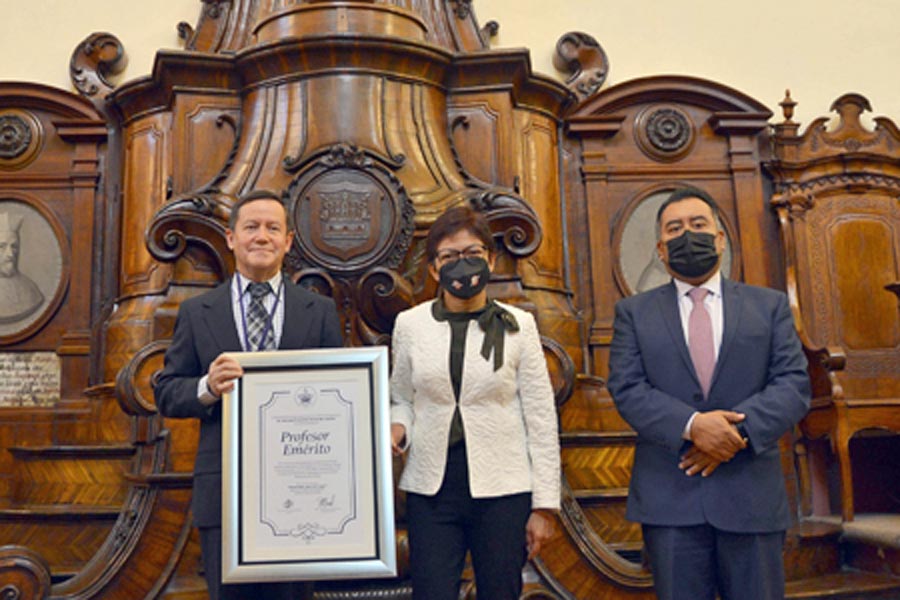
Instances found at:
x=494 y=321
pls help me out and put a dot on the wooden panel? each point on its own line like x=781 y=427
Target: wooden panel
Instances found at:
x=591 y=468
x=872 y=242
x=841 y=233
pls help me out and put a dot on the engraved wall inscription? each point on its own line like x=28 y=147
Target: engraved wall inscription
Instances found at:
x=29 y=378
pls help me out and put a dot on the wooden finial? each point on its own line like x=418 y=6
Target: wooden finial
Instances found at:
x=787 y=106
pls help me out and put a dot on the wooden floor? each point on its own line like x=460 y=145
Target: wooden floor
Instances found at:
x=868 y=563
x=846 y=585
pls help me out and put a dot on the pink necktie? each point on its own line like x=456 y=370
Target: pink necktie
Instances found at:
x=700 y=339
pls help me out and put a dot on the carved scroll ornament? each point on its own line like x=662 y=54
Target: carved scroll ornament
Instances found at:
x=193 y=221
x=97 y=57
x=24 y=574
x=512 y=220
x=582 y=56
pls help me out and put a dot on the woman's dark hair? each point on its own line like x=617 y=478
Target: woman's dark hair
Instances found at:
x=454 y=220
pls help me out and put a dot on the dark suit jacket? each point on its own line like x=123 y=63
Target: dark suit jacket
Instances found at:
x=204 y=329
x=761 y=372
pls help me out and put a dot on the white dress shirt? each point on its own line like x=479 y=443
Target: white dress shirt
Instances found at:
x=240 y=302
x=713 y=304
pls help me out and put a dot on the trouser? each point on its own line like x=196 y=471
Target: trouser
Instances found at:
x=693 y=563
x=444 y=526
x=211 y=550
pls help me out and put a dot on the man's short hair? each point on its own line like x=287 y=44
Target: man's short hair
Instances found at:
x=684 y=193
x=260 y=194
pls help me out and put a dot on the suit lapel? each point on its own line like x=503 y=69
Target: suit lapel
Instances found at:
x=732 y=302
x=297 y=317
x=667 y=300
x=219 y=318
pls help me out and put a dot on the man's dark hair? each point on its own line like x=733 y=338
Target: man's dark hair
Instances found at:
x=454 y=220
x=260 y=194
x=684 y=193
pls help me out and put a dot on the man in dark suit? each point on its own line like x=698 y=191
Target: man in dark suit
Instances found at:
x=257 y=309
x=710 y=380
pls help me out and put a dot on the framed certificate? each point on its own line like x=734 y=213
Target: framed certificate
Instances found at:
x=307 y=491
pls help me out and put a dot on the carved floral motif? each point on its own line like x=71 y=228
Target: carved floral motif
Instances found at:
x=15 y=136
x=21 y=138
x=664 y=133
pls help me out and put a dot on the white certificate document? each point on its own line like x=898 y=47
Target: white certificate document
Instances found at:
x=306 y=471
x=306 y=448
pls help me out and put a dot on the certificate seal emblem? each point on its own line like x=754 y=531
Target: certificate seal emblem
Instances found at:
x=305 y=397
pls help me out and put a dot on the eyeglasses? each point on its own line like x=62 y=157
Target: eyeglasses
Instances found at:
x=473 y=251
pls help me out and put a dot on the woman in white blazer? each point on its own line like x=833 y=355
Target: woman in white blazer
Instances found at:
x=471 y=402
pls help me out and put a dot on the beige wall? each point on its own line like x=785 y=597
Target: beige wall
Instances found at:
x=819 y=49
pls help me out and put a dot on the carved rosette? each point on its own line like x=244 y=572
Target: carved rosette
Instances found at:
x=15 y=136
x=664 y=133
x=21 y=138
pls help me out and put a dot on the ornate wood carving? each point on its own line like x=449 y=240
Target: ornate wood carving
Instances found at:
x=664 y=133
x=227 y=25
x=836 y=199
x=24 y=574
x=350 y=211
x=626 y=158
x=19 y=132
x=96 y=58
x=582 y=56
x=561 y=368
x=192 y=223
x=50 y=187
x=265 y=100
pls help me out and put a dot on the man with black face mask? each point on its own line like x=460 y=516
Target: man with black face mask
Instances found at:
x=710 y=373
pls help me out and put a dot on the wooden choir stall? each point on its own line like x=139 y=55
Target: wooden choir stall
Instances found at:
x=120 y=196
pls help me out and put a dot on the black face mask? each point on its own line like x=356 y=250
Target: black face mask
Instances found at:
x=465 y=277
x=693 y=254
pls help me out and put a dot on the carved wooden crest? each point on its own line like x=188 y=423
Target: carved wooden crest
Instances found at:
x=350 y=213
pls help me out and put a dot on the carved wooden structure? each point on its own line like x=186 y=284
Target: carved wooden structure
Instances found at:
x=837 y=203
x=401 y=107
